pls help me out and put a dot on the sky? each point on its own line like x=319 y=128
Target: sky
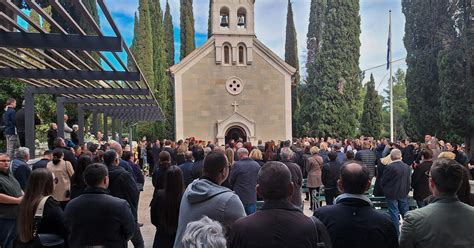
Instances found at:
x=270 y=25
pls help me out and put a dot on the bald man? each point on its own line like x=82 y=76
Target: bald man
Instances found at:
x=352 y=221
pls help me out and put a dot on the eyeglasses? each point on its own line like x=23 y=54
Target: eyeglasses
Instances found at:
x=5 y=160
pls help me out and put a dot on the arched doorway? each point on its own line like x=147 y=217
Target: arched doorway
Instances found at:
x=235 y=133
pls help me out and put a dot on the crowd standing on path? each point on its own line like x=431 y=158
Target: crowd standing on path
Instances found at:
x=236 y=194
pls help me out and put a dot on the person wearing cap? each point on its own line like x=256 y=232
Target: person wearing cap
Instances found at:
x=396 y=186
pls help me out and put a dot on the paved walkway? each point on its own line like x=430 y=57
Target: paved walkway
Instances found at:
x=148 y=230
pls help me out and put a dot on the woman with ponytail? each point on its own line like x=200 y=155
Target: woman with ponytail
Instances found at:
x=40 y=185
x=63 y=171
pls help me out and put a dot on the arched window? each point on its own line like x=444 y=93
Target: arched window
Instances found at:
x=227 y=55
x=242 y=18
x=242 y=59
x=224 y=17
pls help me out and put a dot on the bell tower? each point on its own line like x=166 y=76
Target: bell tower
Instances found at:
x=233 y=28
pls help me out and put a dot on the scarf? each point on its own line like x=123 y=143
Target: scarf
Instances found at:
x=9 y=185
x=347 y=195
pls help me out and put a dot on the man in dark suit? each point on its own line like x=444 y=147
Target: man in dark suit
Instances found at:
x=445 y=222
x=96 y=218
x=419 y=180
x=198 y=165
x=68 y=154
x=352 y=221
x=20 y=123
x=171 y=151
x=243 y=180
x=286 y=156
x=396 y=186
x=187 y=168
x=367 y=157
x=278 y=223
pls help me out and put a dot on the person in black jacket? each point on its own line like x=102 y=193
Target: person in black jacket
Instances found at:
x=158 y=178
x=198 y=154
x=171 y=151
x=419 y=178
x=396 y=186
x=77 y=180
x=187 y=169
x=20 y=123
x=52 y=135
x=47 y=156
x=68 y=154
x=330 y=174
x=352 y=221
x=96 y=218
x=123 y=186
x=278 y=223
x=164 y=210
x=40 y=185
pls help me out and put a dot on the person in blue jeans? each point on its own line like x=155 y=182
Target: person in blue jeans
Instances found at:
x=243 y=180
x=396 y=186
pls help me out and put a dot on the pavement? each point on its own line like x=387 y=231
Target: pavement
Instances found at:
x=148 y=230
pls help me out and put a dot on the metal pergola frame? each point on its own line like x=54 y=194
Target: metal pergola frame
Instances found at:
x=70 y=65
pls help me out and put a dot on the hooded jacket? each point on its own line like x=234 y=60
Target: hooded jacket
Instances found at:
x=203 y=197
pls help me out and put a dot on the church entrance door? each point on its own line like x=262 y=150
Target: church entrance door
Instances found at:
x=235 y=133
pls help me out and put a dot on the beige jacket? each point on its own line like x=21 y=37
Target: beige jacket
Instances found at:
x=63 y=171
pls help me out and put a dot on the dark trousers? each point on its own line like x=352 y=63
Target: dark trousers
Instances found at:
x=330 y=195
x=21 y=137
x=137 y=239
x=7 y=233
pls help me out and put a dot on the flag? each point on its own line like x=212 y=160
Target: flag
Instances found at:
x=389 y=43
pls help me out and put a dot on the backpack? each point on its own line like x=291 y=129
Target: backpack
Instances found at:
x=322 y=236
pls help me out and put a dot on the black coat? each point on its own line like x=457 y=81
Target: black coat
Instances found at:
x=122 y=185
x=197 y=169
x=52 y=135
x=369 y=159
x=172 y=153
x=97 y=218
x=41 y=164
x=163 y=238
x=52 y=221
x=69 y=156
x=354 y=223
x=419 y=181
x=330 y=174
x=187 y=169
x=377 y=187
x=275 y=225
x=396 y=181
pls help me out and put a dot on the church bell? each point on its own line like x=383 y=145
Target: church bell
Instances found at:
x=224 y=21
x=241 y=21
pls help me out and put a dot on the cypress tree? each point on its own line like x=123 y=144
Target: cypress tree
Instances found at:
x=144 y=45
x=333 y=89
x=187 y=28
x=291 y=57
x=209 y=21
x=163 y=91
x=423 y=43
x=371 y=122
x=169 y=36
x=136 y=27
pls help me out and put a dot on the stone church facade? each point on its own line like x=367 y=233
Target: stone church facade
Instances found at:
x=233 y=86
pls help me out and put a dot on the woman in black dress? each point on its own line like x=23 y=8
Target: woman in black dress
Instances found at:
x=165 y=208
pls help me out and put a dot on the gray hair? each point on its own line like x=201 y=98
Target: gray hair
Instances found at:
x=395 y=154
x=241 y=151
x=286 y=154
x=22 y=153
x=188 y=155
x=207 y=150
x=204 y=233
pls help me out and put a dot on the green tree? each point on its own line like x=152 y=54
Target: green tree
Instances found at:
x=163 y=90
x=144 y=44
x=136 y=27
x=169 y=36
x=333 y=88
x=371 y=123
x=187 y=28
x=291 y=57
x=423 y=42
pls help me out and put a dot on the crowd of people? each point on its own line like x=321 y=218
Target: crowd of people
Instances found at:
x=238 y=194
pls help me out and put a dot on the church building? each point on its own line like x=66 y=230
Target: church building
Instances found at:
x=233 y=86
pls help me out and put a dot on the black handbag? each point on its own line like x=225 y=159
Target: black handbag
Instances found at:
x=45 y=239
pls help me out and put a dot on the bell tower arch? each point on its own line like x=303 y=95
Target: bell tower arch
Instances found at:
x=233 y=24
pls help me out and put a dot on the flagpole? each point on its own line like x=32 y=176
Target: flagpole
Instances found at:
x=391 y=78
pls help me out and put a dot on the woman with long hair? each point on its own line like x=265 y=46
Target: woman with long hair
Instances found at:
x=40 y=184
x=63 y=171
x=269 y=154
x=229 y=153
x=77 y=180
x=181 y=152
x=158 y=178
x=165 y=208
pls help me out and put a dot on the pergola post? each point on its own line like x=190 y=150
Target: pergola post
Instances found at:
x=94 y=123
x=30 y=121
x=120 y=128
x=60 y=116
x=80 y=123
x=130 y=132
x=114 y=128
x=106 y=137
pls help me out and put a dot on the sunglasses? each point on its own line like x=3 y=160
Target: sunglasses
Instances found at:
x=5 y=160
